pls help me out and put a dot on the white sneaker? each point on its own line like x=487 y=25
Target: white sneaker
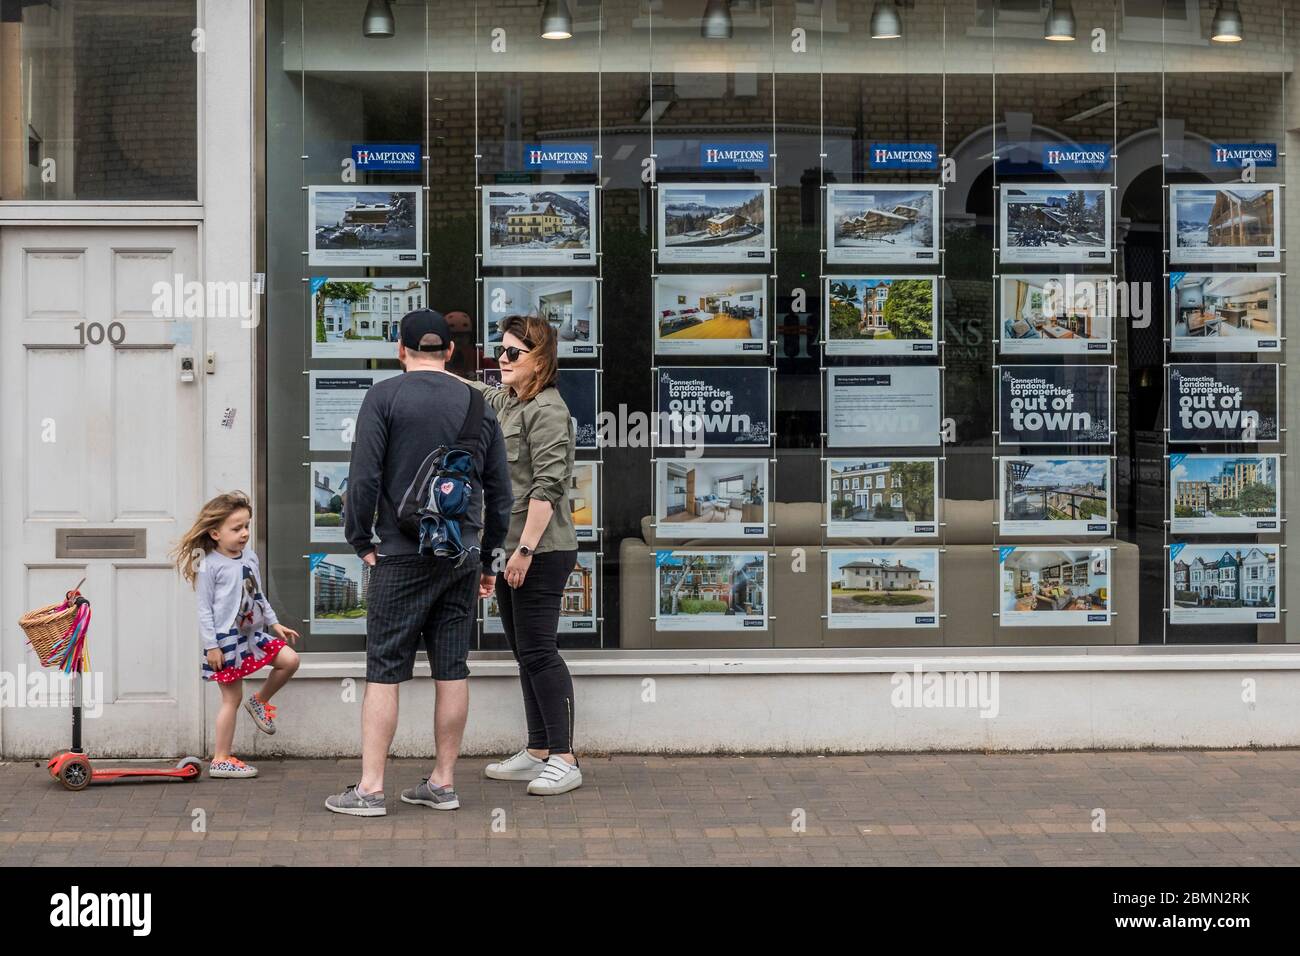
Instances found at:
x=559 y=776
x=522 y=766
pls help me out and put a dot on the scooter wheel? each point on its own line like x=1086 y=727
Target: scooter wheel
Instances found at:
x=194 y=762
x=75 y=773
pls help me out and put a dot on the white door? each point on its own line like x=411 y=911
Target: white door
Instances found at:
x=99 y=434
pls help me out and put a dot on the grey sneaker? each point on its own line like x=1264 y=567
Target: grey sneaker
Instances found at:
x=558 y=776
x=440 y=798
x=522 y=766
x=356 y=804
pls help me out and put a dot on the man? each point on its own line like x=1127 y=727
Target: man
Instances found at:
x=415 y=599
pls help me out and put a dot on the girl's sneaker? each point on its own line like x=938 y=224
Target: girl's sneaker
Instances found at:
x=263 y=714
x=231 y=767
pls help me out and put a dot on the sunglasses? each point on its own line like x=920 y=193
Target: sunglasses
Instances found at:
x=511 y=352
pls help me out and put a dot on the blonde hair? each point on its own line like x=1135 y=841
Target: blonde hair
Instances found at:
x=198 y=542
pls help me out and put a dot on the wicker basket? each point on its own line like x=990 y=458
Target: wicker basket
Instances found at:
x=47 y=627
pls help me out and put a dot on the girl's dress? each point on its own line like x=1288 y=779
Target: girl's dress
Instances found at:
x=234 y=616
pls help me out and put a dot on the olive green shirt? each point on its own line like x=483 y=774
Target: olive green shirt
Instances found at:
x=539 y=439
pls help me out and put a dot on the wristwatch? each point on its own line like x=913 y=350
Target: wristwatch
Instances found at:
x=526 y=551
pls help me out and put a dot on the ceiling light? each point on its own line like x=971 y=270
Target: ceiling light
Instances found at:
x=557 y=22
x=1060 y=21
x=716 y=24
x=1226 y=25
x=886 y=24
x=378 y=21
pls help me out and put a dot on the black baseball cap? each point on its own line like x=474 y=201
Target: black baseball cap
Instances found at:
x=416 y=325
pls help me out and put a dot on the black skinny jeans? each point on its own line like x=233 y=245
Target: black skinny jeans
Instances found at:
x=530 y=615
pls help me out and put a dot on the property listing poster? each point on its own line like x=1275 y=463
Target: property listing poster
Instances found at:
x=1045 y=497
x=584 y=501
x=365 y=226
x=1224 y=583
x=886 y=406
x=882 y=497
x=1062 y=313
x=329 y=488
x=539 y=225
x=580 y=390
x=1054 y=404
x=710 y=314
x=1218 y=404
x=881 y=315
x=710 y=498
x=1237 y=222
x=335 y=402
x=1214 y=494
x=882 y=588
x=701 y=406
x=577 y=602
x=567 y=303
x=1225 y=311
x=338 y=593
x=714 y=222
x=1060 y=223
x=1054 y=587
x=711 y=590
x=882 y=224
x=361 y=318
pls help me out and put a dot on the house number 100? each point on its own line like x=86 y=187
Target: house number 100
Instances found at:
x=94 y=333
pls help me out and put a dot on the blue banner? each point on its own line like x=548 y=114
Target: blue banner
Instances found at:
x=733 y=155
x=903 y=156
x=570 y=157
x=1093 y=157
x=1235 y=155
x=387 y=157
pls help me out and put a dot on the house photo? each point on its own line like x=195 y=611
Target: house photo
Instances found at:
x=1055 y=223
x=365 y=225
x=338 y=593
x=714 y=222
x=1210 y=493
x=881 y=498
x=881 y=223
x=711 y=590
x=1055 y=313
x=1054 y=495
x=707 y=498
x=710 y=314
x=360 y=318
x=879 y=588
x=329 y=486
x=538 y=225
x=1223 y=582
x=1231 y=223
x=568 y=304
x=1054 y=587
x=1226 y=312
x=878 y=315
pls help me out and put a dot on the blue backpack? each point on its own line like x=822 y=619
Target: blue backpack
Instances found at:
x=439 y=496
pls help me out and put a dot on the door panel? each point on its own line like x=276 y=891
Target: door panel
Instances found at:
x=110 y=437
x=57 y=482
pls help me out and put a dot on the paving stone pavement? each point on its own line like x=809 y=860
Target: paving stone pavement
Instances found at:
x=1171 y=807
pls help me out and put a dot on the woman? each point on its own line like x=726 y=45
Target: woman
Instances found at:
x=542 y=549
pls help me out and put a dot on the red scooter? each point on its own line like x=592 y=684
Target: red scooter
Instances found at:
x=58 y=634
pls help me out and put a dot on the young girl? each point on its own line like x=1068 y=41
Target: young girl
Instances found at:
x=234 y=619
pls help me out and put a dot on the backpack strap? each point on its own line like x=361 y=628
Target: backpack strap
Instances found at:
x=471 y=433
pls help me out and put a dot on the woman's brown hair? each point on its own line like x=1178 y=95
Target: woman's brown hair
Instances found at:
x=543 y=345
x=197 y=543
